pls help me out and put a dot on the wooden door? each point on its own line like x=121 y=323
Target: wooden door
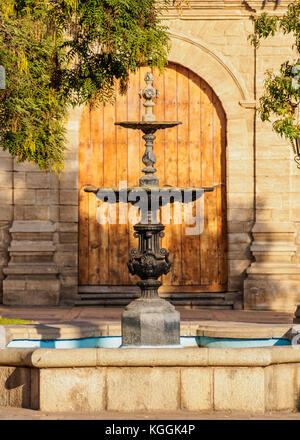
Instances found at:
x=188 y=155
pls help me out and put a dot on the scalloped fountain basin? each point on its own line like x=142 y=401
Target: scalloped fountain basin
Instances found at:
x=209 y=378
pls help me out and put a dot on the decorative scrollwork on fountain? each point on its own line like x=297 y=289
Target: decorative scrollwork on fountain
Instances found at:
x=149 y=265
x=149 y=261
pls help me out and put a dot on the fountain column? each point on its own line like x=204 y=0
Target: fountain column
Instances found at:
x=149 y=320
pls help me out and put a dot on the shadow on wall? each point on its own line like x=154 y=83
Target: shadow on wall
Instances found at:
x=19 y=385
x=4 y=243
x=18 y=388
x=63 y=331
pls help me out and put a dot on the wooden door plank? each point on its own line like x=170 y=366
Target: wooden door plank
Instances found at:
x=191 y=269
x=215 y=208
x=102 y=228
x=96 y=165
x=220 y=126
x=172 y=239
x=159 y=111
x=121 y=230
x=183 y=151
x=207 y=180
x=83 y=179
x=183 y=130
x=134 y=164
x=110 y=170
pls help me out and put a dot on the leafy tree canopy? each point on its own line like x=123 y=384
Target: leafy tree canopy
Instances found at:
x=281 y=98
x=58 y=53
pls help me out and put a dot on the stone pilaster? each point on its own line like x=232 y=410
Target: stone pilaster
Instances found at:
x=273 y=281
x=31 y=275
x=6 y=209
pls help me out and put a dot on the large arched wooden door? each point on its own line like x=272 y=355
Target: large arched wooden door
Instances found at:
x=193 y=154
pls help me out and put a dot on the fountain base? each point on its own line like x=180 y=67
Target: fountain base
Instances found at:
x=150 y=322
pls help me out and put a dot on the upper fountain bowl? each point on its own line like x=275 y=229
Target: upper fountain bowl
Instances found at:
x=147 y=126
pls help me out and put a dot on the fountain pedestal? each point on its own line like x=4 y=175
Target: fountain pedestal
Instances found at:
x=150 y=320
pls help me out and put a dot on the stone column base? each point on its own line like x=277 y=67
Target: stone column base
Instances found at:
x=296 y=319
x=31 y=275
x=150 y=322
x=273 y=281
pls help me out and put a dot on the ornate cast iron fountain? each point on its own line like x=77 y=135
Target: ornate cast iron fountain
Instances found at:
x=149 y=320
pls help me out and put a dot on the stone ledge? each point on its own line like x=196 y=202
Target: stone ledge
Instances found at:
x=244 y=330
x=273 y=227
x=136 y=357
x=32 y=226
x=274 y=269
x=31 y=246
x=19 y=269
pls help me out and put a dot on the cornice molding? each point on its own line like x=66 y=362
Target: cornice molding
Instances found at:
x=224 y=9
x=270 y=7
x=250 y=104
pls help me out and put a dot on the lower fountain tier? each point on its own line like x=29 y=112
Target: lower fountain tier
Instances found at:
x=163 y=195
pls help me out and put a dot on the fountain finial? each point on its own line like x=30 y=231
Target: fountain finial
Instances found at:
x=148 y=93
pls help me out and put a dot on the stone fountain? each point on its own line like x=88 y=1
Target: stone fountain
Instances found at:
x=149 y=321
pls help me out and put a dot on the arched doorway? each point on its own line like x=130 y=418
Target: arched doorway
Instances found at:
x=191 y=155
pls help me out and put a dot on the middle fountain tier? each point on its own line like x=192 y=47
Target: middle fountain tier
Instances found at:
x=149 y=321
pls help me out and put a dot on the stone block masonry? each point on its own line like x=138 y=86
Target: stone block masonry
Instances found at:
x=6 y=211
x=31 y=274
x=38 y=234
x=251 y=381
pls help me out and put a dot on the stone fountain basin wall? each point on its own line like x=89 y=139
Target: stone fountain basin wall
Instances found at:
x=254 y=380
x=77 y=330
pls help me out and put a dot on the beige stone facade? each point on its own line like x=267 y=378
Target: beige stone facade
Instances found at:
x=263 y=182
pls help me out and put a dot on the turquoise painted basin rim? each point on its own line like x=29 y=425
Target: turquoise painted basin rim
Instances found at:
x=116 y=342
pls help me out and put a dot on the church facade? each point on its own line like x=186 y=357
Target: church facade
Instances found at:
x=53 y=249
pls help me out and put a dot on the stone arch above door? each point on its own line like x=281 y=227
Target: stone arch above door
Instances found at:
x=210 y=65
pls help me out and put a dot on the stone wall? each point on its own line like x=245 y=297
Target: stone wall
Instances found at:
x=6 y=210
x=42 y=201
x=263 y=183
x=259 y=380
x=273 y=279
x=262 y=195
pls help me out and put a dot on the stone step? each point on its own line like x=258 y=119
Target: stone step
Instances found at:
x=100 y=296
x=206 y=300
x=120 y=303
x=46 y=269
x=136 y=294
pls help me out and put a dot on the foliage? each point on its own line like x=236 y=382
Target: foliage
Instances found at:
x=106 y=40
x=59 y=53
x=32 y=108
x=281 y=97
x=9 y=321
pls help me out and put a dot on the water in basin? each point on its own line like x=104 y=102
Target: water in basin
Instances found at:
x=116 y=341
